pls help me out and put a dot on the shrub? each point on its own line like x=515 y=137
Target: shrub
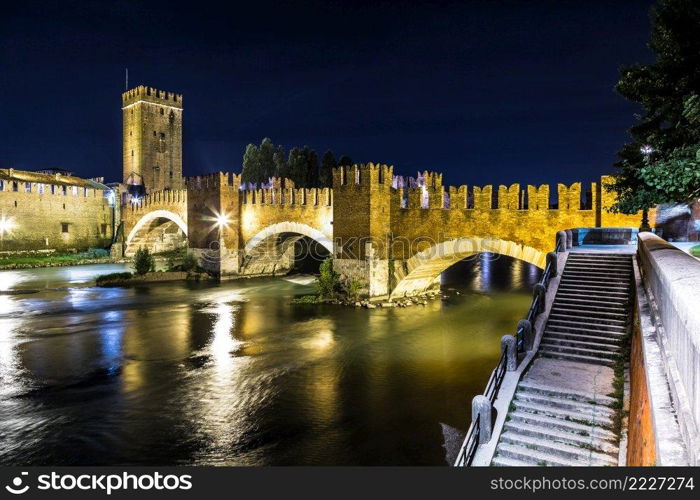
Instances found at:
x=695 y=251
x=328 y=280
x=189 y=263
x=353 y=288
x=107 y=278
x=143 y=261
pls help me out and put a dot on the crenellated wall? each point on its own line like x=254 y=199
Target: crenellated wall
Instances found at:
x=393 y=233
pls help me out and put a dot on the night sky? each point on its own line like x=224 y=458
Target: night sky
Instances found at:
x=486 y=92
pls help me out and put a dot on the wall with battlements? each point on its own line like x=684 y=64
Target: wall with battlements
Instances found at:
x=43 y=212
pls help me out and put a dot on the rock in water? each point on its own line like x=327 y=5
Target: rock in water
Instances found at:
x=453 y=439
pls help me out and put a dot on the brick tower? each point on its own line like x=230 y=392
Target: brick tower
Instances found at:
x=152 y=139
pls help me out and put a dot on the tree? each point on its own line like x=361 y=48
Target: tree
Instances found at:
x=297 y=166
x=266 y=152
x=325 y=175
x=251 y=164
x=143 y=261
x=344 y=161
x=313 y=168
x=661 y=164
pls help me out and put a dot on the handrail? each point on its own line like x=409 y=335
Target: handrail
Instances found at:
x=472 y=443
x=496 y=379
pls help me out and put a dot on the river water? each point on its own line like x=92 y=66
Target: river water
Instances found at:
x=235 y=374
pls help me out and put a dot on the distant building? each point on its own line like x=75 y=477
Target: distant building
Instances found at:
x=51 y=211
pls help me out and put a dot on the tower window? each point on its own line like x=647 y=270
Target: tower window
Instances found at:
x=103 y=229
x=154 y=133
x=65 y=192
x=162 y=135
x=64 y=227
x=132 y=153
x=162 y=111
x=15 y=186
x=27 y=187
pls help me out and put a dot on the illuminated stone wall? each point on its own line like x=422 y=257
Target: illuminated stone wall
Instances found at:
x=415 y=233
x=152 y=138
x=59 y=213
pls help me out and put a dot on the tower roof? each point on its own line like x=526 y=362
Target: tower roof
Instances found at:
x=153 y=95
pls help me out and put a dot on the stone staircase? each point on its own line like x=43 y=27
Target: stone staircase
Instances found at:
x=561 y=413
x=590 y=314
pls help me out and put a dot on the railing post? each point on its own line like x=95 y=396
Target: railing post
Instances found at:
x=552 y=263
x=569 y=239
x=508 y=346
x=561 y=241
x=539 y=291
x=481 y=408
x=528 y=338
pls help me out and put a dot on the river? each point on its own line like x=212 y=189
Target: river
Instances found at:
x=235 y=374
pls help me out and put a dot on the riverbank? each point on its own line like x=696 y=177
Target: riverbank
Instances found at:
x=375 y=302
x=38 y=259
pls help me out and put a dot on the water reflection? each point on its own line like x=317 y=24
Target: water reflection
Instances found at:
x=233 y=373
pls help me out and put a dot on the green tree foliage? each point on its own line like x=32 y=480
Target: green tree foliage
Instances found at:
x=344 y=161
x=328 y=280
x=262 y=162
x=301 y=166
x=143 y=261
x=668 y=129
x=251 y=164
x=325 y=175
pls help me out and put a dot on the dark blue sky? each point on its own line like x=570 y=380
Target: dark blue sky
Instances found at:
x=484 y=91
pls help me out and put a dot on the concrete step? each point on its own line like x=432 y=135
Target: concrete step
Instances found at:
x=572 y=325
x=559 y=451
x=612 y=340
x=617 y=314
x=572 y=292
x=563 y=403
x=587 y=279
x=560 y=436
x=594 y=285
x=598 y=271
x=561 y=424
x=533 y=457
x=546 y=346
x=582 y=344
x=583 y=318
x=526 y=385
x=593 y=301
x=577 y=358
x=599 y=255
x=588 y=305
x=500 y=461
x=598 y=265
x=594 y=416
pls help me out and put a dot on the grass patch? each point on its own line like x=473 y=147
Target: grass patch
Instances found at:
x=695 y=251
x=40 y=260
x=307 y=299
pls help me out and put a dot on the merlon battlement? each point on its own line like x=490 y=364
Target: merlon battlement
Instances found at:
x=363 y=174
x=153 y=95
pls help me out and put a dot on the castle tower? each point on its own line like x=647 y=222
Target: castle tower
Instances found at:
x=152 y=139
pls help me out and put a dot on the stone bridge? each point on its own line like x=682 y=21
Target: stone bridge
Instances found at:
x=394 y=235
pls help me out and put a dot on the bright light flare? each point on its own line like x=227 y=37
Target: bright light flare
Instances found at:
x=6 y=225
x=222 y=220
x=646 y=150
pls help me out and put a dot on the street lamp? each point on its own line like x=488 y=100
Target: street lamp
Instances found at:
x=646 y=150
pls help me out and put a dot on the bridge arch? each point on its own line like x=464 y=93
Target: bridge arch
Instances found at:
x=272 y=250
x=289 y=227
x=423 y=269
x=144 y=225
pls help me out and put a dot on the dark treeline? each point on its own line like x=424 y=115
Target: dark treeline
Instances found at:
x=302 y=165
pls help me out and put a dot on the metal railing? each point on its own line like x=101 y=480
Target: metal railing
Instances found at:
x=496 y=379
x=472 y=442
